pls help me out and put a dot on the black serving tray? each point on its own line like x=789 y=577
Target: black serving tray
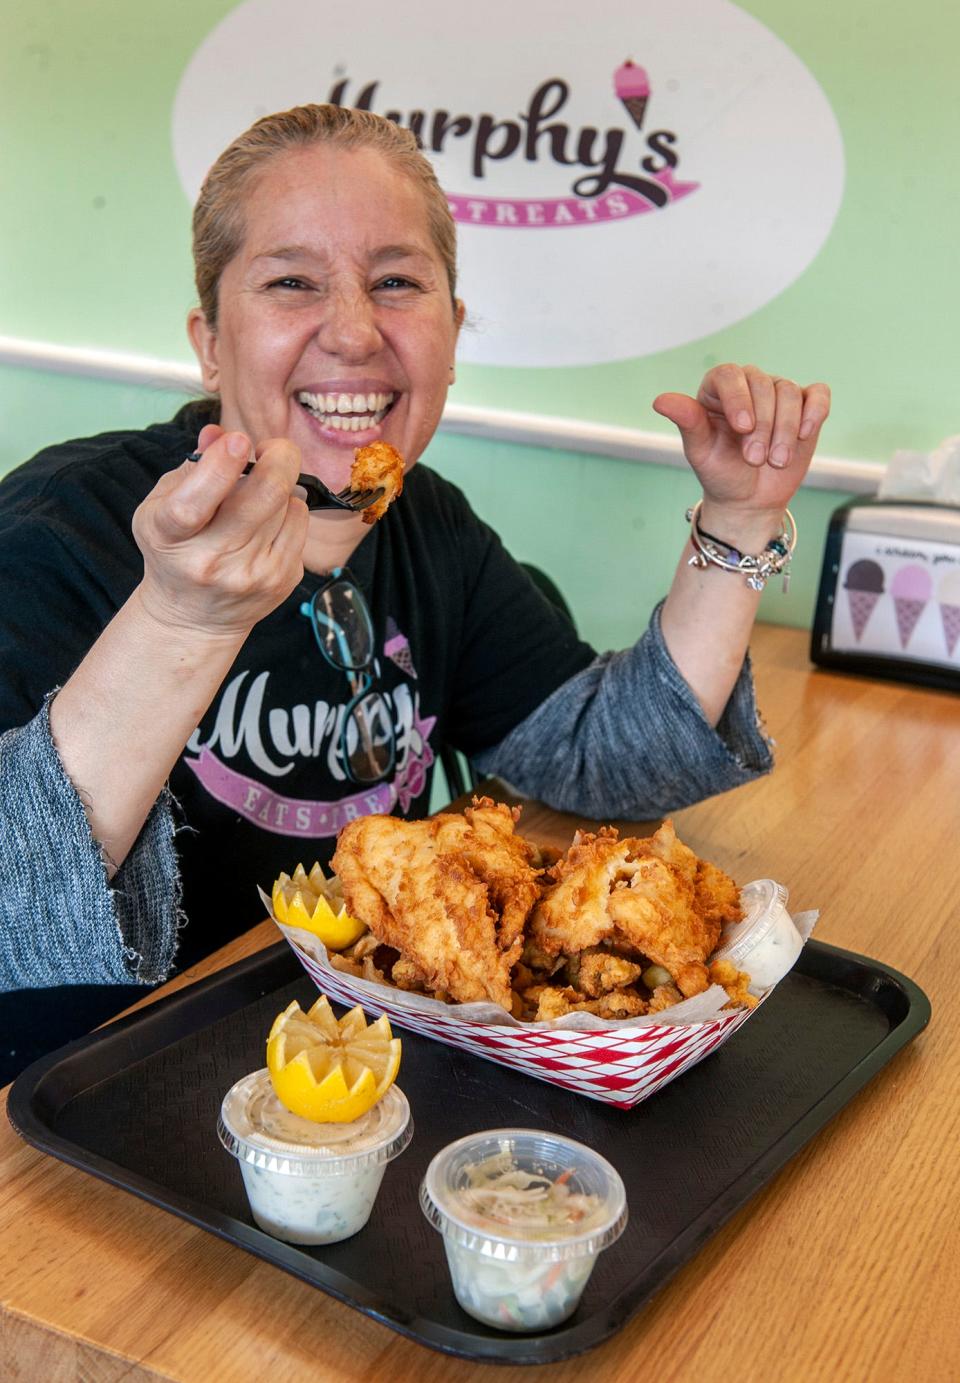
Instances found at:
x=137 y=1105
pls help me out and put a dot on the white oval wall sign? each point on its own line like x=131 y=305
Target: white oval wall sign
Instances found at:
x=623 y=183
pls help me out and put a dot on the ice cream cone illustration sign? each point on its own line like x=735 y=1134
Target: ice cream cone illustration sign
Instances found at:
x=896 y=598
x=948 y=596
x=655 y=167
x=864 y=586
x=910 y=588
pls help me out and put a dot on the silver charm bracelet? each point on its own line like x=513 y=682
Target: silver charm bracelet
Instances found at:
x=774 y=560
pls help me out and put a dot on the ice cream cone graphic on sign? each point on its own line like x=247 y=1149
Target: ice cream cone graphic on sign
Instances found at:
x=948 y=594
x=910 y=589
x=632 y=86
x=864 y=586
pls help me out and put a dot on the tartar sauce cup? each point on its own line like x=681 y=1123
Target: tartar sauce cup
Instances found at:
x=310 y=1183
x=508 y=1270
x=765 y=943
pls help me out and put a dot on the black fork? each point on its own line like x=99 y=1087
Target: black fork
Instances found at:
x=318 y=496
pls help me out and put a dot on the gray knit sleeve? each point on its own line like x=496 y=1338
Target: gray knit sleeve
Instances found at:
x=627 y=738
x=61 y=922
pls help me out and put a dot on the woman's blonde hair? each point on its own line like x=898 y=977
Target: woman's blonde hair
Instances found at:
x=218 y=224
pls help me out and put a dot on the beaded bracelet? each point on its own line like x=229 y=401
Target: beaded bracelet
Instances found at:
x=774 y=560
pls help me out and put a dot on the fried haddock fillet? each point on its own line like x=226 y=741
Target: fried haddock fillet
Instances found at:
x=647 y=897
x=376 y=466
x=451 y=894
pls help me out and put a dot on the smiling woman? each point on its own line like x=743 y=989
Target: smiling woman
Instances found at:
x=185 y=686
x=334 y=292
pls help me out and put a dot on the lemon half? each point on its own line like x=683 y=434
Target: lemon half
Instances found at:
x=308 y=900
x=328 y=1070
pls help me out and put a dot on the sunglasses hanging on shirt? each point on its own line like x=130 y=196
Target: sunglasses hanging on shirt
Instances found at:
x=343 y=628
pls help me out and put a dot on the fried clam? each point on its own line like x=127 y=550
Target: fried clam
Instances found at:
x=542 y=1002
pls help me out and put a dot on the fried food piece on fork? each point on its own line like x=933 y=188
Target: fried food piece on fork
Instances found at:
x=377 y=466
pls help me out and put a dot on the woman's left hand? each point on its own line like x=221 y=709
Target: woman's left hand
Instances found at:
x=749 y=436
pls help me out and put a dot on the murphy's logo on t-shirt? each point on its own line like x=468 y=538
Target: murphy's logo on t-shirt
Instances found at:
x=253 y=739
x=609 y=178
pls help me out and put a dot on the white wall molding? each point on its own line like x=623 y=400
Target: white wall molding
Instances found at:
x=528 y=429
x=143 y=370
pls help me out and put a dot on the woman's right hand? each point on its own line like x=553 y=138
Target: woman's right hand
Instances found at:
x=220 y=553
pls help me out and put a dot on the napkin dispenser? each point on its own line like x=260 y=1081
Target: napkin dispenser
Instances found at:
x=889 y=597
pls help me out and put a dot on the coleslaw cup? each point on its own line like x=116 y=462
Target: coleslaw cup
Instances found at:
x=501 y=1275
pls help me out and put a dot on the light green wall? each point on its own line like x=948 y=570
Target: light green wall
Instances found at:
x=93 y=225
x=608 y=531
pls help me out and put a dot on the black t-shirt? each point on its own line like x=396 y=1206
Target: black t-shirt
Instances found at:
x=466 y=647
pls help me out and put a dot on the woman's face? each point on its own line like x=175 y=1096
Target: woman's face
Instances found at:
x=335 y=325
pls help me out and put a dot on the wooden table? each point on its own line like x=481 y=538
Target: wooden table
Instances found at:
x=846 y=1267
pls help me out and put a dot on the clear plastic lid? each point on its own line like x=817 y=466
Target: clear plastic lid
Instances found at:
x=257 y=1129
x=595 y=1188
x=764 y=908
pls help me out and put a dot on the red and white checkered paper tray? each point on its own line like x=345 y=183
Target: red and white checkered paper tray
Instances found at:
x=620 y=1062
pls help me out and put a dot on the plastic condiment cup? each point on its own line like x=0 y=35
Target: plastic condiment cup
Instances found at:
x=765 y=944
x=522 y=1281
x=310 y=1183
